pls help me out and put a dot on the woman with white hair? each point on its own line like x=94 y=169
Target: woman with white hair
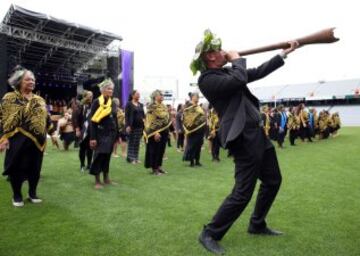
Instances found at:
x=24 y=124
x=103 y=132
x=156 y=132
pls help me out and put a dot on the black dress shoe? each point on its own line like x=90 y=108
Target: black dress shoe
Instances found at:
x=210 y=244
x=265 y=231
x=198 y=164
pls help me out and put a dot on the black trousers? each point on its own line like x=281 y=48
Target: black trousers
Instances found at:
x=249 y=168
x=180 y=140
x=292 y=136
x=195 y=141
x=85 y=151
x=155 y=151
x=215 y=147
x=281 y=137
x=305 y=132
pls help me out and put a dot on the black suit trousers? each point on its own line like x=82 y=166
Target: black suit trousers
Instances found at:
x=281 y=137
x=251 y=164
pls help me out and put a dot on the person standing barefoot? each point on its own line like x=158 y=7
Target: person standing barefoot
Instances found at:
x=103 y=132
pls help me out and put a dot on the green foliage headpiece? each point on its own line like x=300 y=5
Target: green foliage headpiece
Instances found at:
x=208 y=44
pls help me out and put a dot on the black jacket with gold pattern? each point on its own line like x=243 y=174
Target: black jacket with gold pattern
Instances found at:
x=29 y=117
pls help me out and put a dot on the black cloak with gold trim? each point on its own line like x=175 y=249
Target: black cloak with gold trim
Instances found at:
x=157 y=120
x=193 y=119
x=214 y=123
x=29 y=117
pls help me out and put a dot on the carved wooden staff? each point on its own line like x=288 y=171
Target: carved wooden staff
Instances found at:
x=325 y=36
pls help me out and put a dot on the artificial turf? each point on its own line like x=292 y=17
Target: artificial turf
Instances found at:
x=317 y=207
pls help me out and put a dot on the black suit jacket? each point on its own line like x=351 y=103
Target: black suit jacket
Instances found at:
x=225 y=88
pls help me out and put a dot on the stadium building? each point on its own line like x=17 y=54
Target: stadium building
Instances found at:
x=341 y=96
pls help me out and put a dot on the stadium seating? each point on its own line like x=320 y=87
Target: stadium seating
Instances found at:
x=310 y=91
x=339 y=89
x=322 y=90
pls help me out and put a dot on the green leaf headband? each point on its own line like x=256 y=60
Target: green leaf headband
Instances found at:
x=208 y=44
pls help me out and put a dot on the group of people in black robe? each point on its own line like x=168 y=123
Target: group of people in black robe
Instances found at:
x=235 y=123
x=298 y=122
x=100 y=125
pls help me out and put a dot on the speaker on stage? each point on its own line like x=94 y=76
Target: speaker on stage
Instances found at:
x=114 y=70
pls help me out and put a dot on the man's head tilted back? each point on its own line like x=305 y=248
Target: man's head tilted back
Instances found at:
x=208 y=53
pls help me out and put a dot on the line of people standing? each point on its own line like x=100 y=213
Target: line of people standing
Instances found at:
x=298 y=122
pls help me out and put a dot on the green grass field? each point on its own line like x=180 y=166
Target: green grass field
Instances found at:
x=318 y=206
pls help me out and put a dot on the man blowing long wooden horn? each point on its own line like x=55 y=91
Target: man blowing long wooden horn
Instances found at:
x=241 y=132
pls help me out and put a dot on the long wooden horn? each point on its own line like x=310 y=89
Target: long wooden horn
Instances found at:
x=325 y=36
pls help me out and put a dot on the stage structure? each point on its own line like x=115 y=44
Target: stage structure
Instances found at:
x=62 y=54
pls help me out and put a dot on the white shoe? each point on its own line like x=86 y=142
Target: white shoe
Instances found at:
x=35 y=200
x=18 y=204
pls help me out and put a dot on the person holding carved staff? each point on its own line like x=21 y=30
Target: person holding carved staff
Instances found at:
x=241 y=132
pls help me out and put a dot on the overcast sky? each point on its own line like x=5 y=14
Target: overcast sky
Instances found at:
x=163 y=34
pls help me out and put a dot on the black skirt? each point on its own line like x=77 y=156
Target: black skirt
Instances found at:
x=155 y=151
x=23 y=158
x=105 y=141
x=100 y=163
x=194 y=143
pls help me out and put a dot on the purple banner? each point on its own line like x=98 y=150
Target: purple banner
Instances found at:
x=127 y=64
